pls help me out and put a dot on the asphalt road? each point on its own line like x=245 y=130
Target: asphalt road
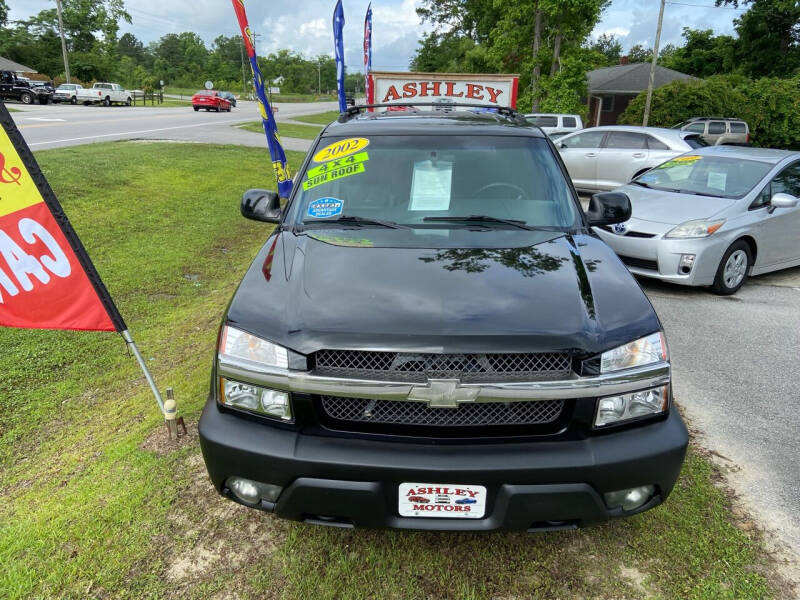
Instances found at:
x=58 y=125
x=735 y=359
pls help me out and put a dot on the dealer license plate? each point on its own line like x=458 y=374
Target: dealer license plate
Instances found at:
x=442 y=500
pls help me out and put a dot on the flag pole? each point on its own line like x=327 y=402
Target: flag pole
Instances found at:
x=126 y=335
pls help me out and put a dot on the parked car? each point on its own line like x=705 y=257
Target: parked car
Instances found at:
x=717 y=131
x=14 y=87
x=105 y=94
x=418 y=499
x=466 y=501
x=39 y=85
x=229 y=97
x=385 y=334
x=210 y=100
x=555 y=124
x=604 y=158
x=67 y=92
x=712 y=217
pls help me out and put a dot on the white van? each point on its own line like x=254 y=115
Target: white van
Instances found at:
x=555 y=125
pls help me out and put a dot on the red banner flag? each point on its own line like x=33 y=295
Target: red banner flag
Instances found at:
x=47 y=280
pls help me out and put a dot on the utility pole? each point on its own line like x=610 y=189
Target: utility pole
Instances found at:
x=63 y=41
x=319 y=77
x=537 y=68
x=653 y=67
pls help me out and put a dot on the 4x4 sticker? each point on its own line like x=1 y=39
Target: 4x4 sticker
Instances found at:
x=333 y=174
x=335 y=164
x=322 y=208
x=340 y=149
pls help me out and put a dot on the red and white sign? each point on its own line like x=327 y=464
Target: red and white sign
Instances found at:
x=441 y=500
x=43 y=282
x=399 y=88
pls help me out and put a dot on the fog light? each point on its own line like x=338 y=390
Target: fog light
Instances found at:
x=252 y=492
x=631 y=498
x=686 y=264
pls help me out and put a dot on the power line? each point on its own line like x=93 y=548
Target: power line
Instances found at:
x=707 y=6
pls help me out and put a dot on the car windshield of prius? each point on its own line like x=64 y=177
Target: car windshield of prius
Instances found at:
x=434 y=181
x=715 y=176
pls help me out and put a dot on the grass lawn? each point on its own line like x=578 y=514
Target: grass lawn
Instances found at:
x=292 y=130
x=319 y=118
x=10 y=109
x=166 y=102
x=93 y=504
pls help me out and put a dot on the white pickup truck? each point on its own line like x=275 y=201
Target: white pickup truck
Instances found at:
x=104 y=93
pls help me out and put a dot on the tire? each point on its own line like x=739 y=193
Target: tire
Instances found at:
x=73 y=100
x=216 y=109
x=229 y=109
x=86 y=103
x=732 y=269
x=107 y=101
x=128 y=102
x=196 y=108
x=26 y=98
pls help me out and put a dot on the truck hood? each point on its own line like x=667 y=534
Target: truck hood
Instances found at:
x=566 y=293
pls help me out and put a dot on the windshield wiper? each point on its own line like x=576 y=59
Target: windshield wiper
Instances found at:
x=488 y=219
x=356 y=220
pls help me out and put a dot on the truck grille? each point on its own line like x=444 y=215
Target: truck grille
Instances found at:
x=414 y=367
x=404 y=412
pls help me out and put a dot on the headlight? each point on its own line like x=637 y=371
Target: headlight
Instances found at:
x=626 y=407
x=644 y=351
x=255 y=399
x=695 y=229
x=240 y=345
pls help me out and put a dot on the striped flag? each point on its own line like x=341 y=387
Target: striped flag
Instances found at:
x=368 y=50
x=338 y=45
x=278 y=156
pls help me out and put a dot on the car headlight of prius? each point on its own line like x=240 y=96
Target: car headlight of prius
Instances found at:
x=249 y=352
x=612 y=410
x=699 y=228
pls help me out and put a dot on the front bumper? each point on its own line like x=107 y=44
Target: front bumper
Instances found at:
x=531 y=485
x=666 y=256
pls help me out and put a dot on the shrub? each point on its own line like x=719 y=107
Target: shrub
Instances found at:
x=771 y=106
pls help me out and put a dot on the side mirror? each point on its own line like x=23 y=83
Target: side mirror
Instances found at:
x=608 y=208
x=781 y=200
x=562 y=146
x=262 y=205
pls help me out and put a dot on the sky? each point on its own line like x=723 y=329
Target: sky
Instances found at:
x=305 y=25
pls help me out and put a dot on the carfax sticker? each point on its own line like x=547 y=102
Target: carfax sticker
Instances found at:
x=340 y=149
x=323 y=208
x=333 y=174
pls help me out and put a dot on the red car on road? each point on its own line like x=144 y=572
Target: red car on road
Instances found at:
x=210 y=100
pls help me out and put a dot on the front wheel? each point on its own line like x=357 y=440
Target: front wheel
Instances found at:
x=107 y=101
x=26 y=98
x=128 y=102
x=73 y=100
x=732 y=270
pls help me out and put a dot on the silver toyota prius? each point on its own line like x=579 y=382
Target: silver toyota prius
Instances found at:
x=712 y=217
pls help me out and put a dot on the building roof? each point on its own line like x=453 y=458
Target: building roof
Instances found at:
x=10 y=65
x=630 y=79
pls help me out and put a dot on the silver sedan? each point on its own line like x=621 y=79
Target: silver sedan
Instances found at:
x=604 y=158
x=712 y=217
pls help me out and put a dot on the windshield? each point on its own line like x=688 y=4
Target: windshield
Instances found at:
x=416 y=181
x=706 y=176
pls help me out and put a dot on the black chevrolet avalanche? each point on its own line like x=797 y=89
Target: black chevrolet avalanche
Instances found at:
x=433 y=338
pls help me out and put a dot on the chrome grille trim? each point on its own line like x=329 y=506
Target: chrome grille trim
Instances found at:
x=608 y=384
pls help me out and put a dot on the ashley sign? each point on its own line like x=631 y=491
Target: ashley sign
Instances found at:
x=397 y=88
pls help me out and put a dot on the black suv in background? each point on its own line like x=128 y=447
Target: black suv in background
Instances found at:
x=433 y=338
x=13 y=87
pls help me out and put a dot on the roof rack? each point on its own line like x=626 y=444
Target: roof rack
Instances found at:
x=714 y=119
x=505 y=111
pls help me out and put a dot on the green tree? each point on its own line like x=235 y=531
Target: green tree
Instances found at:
x=609 y=46
x=640 y=54
x=703 y=54
x=769 y=36
x=3 y=13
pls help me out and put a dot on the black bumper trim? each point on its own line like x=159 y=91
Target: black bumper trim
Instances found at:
x=531 y=485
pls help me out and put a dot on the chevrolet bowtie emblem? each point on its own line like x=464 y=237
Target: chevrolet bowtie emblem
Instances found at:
x=443 y=393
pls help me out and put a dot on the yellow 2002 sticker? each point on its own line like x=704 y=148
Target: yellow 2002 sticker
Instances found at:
x=340 y=149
